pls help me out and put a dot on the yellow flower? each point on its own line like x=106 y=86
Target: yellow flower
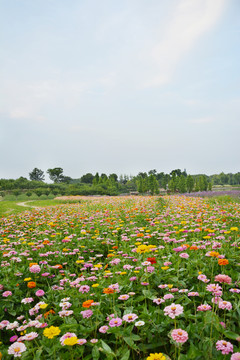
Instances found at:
x=170 y=286
x=95 y=285
x=165 y=267
x=71 y=341
x=27 y=279
x=98 y=266
x=123 y=273
x=79 y=261
x=31 y=243
x=156 y=356
x=43 y=306
x=51 y=332
x=234 y=229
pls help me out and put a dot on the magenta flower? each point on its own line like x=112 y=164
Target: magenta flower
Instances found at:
x=179 y=335
x=173 y=310
x=13 y=338
x=115 y=322
x=40 y=292
x=224 y=346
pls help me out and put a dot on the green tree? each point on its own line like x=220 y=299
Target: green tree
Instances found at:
x=87 y=178
x=36 y=175
x=190 y=183
x=56 y=174
x=182 y=184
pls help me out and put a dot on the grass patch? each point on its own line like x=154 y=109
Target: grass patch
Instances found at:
x=224 y=199
x=43 y=203
x=11 y=207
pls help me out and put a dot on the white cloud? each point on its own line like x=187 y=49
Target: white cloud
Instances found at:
x=190 y=20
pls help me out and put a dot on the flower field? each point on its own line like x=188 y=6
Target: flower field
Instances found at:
x=121 y=278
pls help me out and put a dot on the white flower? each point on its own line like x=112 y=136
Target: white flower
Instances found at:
x=139 y=323
x=16 y=349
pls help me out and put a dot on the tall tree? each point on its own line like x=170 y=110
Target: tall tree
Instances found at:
x=36 y=175
x=56 y=174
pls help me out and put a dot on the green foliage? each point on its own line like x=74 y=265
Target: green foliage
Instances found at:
x=36 y=174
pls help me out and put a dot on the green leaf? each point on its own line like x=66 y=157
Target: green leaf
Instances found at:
x=95 y=353
x=130 y=342
x=231 y=335
x=107 y=348
x=126 y=355
x=38 y=354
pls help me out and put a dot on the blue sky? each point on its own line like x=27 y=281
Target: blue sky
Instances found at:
x=119 y=86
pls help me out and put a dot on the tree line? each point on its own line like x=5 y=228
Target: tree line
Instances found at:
x=151 y=182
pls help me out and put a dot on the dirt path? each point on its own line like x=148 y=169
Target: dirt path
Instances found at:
x=25 y=204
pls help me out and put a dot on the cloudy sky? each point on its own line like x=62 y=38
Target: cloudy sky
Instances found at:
x=119 y=86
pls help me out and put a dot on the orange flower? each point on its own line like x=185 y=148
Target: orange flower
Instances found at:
x=87 y=303
x=48 y=313
x=193 y=247
x=186 y=245
x=214 y=254
x=223 y=262
x=31 y=284
x=31 y=264
x=58 y=266
x=45 y=242
x=115 y=247
x=108 y=291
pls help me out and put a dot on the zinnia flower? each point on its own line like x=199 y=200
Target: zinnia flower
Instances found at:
x=223 y=279
x=179 y=335
x=156 y=356
x=51 y=332
x=235 y=356
x=16 y=349
x=224 y=346
x=130 y=317
x=173 y=310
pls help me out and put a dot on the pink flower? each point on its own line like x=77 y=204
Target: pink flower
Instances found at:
x=93 y=341
x=158 y=301
x=115 y=322
x=224 y=346
x=235 y=291
x=225 y=305
x=213 y=288
x=40 y=292
x=81 y=341
x=16 y=349
x=184 y=255
x=7 y=293
x=179 y=335
x=30 y=336
x=35 y=269
x=123 y=297
x=204 y=307
x=27 y=300
x=193 y=293
x=86 y=314
x=235 y=356
x=168 y=296
x=173 y=310
x=223 y=279
x=130 y=317
x=84 y=289
x=103 y=329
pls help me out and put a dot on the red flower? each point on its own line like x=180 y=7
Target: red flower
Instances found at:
x=152 y=260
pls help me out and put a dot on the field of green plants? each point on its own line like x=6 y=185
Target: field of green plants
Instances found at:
x=153 y=278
